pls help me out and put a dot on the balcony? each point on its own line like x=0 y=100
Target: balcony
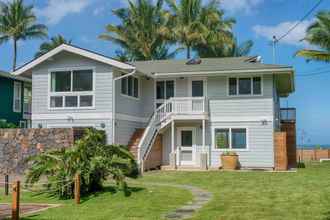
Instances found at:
x=288 y=115
x=183 y=108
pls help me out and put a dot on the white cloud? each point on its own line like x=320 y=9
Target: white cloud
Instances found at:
x=245 y=6
x=56 y=10
x=293 y=38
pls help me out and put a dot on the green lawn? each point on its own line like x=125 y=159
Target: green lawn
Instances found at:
x=144 y=203
x=237 y=195
x=260 y=195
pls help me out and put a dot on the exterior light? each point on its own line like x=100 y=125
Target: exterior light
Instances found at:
x=103 y=125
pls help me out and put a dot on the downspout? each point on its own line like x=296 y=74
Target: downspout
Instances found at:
x=114 y=102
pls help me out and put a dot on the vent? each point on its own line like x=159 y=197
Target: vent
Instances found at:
x=255 y=59
x=194 y=62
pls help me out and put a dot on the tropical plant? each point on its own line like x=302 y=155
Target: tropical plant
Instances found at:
x=5 y=124
x=142 y=31
x=18 y=22
x=49 y=45
x=89 y=157
x=195 y=25
x=318 y=34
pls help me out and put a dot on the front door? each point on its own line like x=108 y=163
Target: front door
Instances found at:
x=186 y=143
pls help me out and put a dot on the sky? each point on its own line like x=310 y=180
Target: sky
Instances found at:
x=83 y=20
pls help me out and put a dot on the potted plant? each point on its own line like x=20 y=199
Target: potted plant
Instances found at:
x=229 y=160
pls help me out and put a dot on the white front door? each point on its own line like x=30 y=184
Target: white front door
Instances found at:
x=186 y=146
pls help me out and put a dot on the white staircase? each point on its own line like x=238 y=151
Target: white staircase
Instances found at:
x=172 y=109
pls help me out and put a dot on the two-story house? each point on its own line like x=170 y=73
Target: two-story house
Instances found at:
x=168 y=111
x=15 y=99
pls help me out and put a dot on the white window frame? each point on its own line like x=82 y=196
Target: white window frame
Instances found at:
x=71 y=93
x=23 y=124
x=18 y=108
x=191 y=79
x=27 y=104
x=237 y=86
x=139 y=88
x=230 y=138
x=156 y=101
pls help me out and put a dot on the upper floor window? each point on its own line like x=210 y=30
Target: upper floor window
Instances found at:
x=165 y=89
x=245 y=85
x=17 y=97
x=197 y=88
x=130 y=86
x=71 y=89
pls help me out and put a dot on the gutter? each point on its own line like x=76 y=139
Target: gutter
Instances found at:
x=114 y=80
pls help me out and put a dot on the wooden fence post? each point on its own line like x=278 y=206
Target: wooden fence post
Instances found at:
x=77 y=189
x=15 y=201
x=6 y=184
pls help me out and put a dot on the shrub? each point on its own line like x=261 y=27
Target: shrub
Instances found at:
x=89 y=157
x=229 y=153
x=5 y=124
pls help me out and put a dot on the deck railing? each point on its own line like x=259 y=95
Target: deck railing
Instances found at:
x=288 y=114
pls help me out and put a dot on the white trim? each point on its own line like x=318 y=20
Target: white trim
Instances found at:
x=17 y=109
x=71 y=93
x=209 y=73
x=23 y=124
x=75 y=50
x=237 y=86
x=230 y=137
x=70 y=125
x=156 y=101
x=191 y=79
x=139 y=87
x=192 y=148
x=87 y=116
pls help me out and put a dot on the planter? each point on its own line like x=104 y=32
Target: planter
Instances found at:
x=229 y=162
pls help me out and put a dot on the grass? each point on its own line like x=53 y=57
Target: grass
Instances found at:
x=144 y=203
x=260 y=195
x=236 y=195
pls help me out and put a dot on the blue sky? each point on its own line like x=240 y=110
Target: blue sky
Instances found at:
x=83 y=20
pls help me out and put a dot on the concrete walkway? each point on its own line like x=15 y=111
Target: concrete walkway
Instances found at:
x=200 y=198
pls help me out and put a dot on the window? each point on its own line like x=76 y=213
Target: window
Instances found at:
x=130 y=86
x=165 y=89
x=197 y=88
x=245 y=86
x=17 y=102
x=69 y=89
x=230 y=138
x=27 y=102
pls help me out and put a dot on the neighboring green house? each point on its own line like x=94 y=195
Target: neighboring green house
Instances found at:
x=15 y=99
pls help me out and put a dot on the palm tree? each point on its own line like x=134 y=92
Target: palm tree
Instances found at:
x=318 y=34
x=18 y=22
x=195 y=25
x=142 y=31
x=49 y=45
x=231 y=49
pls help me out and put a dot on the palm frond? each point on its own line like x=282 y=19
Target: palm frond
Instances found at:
x=314 y=55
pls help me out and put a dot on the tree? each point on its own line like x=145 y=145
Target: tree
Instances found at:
x=18 y=22
x=89 y=157
x=142 y=31
x=195 y=25
x=49 y=45
x=318 y=34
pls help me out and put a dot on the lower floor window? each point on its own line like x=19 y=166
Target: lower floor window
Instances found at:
x=230 y=138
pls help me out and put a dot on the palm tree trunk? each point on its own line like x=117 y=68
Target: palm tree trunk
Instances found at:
x=188 y=51
x=15 y=55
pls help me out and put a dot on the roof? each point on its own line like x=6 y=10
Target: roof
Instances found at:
x=207 y=65
x=75 y=50
x=10 y=76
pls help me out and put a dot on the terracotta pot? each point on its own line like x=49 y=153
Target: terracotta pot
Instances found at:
x=229 y=162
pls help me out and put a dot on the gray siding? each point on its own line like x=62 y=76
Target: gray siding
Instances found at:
x=125 y=130
x=103 y=83
x=260 y=143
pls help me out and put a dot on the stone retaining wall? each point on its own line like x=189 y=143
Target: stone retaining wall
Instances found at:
x=18 y=144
